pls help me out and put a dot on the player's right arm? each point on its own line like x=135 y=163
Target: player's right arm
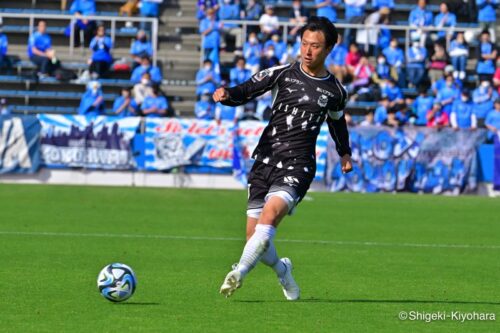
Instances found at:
x=256 y=86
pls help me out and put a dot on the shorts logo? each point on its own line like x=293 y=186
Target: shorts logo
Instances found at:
x=290 y=181
x=322 y=101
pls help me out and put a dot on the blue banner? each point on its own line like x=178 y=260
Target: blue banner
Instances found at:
x=19 y=144
x=410 y=159
x=90 y=142
x=496 y=168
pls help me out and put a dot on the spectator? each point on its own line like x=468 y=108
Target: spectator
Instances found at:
x=140 y=47
x=280 y=48
x=354 y=14
x=327 y=8
x=395 y=96
x=352 y=58
x=253 y=10
x=436 y=86
x=421 y=105
x=268 y=59
x=149 y=9
x=269 y=23
x=395 y=58
x=101 y=59
x=483 y=97
x=436 y=118
x=496 y=77
x=130 y=8
x=227 y=113
x=368 y=120
x=92 y=102
x=381 y=112
x=439 y=60
x=445 y=19
x=230 y=11
x=462 y=113
x=252 y=51
x=420 y=17
x=336 y=61
x=142 y=89
x=298 y=16
x=40 y=50
x=4 y=108
x=125 y=106
x=204 y=5
x=487 y=15
x=82 y=8
x=362 y=75
x=207 y=79
x=486 y=55
x=459 y=51
x=239 y=73
x=204 y=107
x=416 y=57
x=383 y=71
x=492 y=121
x=447 y=94
x=154 y=105
x=375 y=39
x=146 y=67
x=209 y=29
x=377 y=4
x=5 y=62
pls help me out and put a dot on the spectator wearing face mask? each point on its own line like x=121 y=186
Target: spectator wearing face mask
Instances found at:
x=142 y=89
x=155 y=105
x=383 y=71
x=101 y=59
x=483 y=97
x=462 y=113
x=421 y=105
x=280 y=48
x=239 y=73
x=486 y=54
x=268 y=59
x=207 y=79
x=437 y=118
x=415 y=67
x=92 y=102
x=459 y=51
x=204 y=107
x=252 y=51
x=146 y=67
x=140 y=47
x=447 y=95
x=395 y=58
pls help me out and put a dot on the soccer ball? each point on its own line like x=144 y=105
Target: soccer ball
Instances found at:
x=116 y=282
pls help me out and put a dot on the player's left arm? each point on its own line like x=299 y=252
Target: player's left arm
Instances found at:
x=337 y=126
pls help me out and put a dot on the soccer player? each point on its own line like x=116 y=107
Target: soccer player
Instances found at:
x=304 y=94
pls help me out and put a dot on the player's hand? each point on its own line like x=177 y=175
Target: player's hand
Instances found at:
x=220 y=95
x=346 y=164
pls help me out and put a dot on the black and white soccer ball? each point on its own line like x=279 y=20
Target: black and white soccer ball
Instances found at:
x=116 y=282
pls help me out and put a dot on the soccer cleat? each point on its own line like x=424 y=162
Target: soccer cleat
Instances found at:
x=290 y=287
x=231 y=283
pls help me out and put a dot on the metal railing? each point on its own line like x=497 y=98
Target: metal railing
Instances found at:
x=72 y=20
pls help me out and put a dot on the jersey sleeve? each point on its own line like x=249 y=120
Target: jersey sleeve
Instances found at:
x=257 y=85
x=337 y=125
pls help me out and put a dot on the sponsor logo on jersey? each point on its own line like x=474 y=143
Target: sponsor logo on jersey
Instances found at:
x=262 y=75
x=291 y=181
x=291 y=90
x=322 y=101
x=325 y=92
x=288 y=79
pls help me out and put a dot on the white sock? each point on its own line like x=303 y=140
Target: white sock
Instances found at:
x=255 y=247
x=271 y=259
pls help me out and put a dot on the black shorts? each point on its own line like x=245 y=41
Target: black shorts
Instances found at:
x=268 y=180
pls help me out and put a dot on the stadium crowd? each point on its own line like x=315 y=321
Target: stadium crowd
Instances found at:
x=434 y=67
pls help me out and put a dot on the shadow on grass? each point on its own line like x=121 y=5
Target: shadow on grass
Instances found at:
x=375 y=301
x=139 y=303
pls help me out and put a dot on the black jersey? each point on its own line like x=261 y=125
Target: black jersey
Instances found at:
x=300 y=104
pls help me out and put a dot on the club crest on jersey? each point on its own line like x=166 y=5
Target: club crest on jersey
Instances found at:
x=290 y=181
x=322 y=101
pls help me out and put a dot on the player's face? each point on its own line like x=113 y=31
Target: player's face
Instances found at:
x=313 y=49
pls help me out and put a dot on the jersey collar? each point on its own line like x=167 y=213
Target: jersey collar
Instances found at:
x=314 y=77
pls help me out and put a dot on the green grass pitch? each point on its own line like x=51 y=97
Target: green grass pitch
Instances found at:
x=359 y=259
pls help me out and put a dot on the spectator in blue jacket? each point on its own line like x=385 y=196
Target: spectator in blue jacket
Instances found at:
x=298 y=16
x=229 y=10
x=204 y=107
x=252 y=50
x=487 y=15
x=327 y=8
x=239 y=73
x=462 y=113
x=483 y=97
x=381 y=112
x=149 y=9
x=335 y=61
x=459 y=51
x=101 y=59
x=125 y=106
x=377 y=4
x=227 y=113
x=92 y=102
x=354 y=13
x=253 y=11
x=5 y=62
x=395 y=58
x=280 y=48
x=209 y=29
x=420 y=17
x=487 y=55
x=422 y=104
x=146 y=67
x=40 y=50
x=415 y=67
x=445 y=19
x=492 y=121
x=82 y=8
x=207 y=79
x=140 y=47
x=155 y=105
x=203 y=5
x=447 y=95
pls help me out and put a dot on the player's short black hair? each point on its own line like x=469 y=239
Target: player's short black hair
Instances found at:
x=324 y=25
